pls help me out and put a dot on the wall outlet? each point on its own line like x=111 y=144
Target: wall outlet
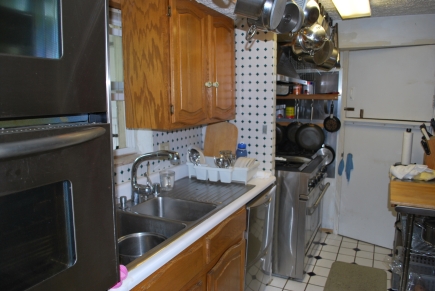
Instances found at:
x=164 y=146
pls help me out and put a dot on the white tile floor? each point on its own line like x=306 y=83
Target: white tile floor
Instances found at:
x=335 y=248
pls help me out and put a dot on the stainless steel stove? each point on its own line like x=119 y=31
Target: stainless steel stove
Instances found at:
x=298 y=212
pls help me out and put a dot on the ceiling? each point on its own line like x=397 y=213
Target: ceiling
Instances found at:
x=381 y=8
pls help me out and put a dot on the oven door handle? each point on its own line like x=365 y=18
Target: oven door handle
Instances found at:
x=314 y=207
x=45 y=144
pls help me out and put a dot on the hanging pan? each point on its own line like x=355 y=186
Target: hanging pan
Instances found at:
x=332 y=123
x=329 y=154
x=294 y=126
x=279 y=134
x=310 y=136
x=273 y=11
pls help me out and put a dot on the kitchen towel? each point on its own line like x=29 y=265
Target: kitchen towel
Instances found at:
x=341 y=167
x=349 y=166
x=411 y=172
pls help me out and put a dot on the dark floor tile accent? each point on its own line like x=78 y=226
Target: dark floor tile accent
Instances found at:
x=311 y=274
x=323 y=244
x=328 y=232
x=254 y=277
x=356 y=249
x=318 y=257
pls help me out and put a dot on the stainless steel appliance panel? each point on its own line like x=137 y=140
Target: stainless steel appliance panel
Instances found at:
x=298 y=216
x=73 y=227
x=260 y=213
x=73 y=83
x=287 y=217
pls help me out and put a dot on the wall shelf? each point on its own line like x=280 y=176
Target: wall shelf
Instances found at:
x=309 y=97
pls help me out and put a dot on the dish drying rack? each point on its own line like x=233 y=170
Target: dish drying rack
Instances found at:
x=211 y=172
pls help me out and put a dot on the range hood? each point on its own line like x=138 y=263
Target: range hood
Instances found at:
x=285 y=70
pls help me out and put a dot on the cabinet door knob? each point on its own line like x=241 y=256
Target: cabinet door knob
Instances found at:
x=216 y=84
x=208 y=84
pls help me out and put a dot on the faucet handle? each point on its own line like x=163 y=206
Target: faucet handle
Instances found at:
x=123 y=202
x=156 y=189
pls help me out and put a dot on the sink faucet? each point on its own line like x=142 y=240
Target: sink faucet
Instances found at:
x=139 y=189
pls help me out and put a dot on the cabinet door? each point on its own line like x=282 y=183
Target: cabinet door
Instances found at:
x=222 y=68
x=177 y=272
x=199 y=285
x=229 y=272
x=189 y=40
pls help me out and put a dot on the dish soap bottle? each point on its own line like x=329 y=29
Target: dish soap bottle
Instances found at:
x=241 y=150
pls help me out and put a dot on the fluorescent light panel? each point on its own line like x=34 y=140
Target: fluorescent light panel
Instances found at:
x=352 y=8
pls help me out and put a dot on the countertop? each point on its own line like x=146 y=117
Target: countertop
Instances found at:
x=160 y=258
x=412 y=193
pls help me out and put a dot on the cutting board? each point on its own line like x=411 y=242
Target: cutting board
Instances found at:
x=220 y=136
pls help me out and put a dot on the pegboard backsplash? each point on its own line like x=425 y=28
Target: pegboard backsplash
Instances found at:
x=179 y=140
x=255 y=93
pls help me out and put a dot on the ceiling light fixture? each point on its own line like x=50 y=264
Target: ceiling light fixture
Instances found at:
x=352 y=8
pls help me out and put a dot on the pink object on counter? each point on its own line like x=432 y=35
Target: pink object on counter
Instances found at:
x=123 y=272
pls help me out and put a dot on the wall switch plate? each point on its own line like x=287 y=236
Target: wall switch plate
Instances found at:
x=164 y=146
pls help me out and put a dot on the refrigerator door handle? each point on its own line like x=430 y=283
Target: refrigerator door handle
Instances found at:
x=46 y=144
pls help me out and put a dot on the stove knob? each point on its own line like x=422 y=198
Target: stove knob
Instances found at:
x=312 y=183
x=323 y=169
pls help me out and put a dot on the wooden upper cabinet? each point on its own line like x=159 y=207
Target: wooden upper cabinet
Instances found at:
x=189 y=48
x=222 y=59
x=115 y=4
x=172 y=51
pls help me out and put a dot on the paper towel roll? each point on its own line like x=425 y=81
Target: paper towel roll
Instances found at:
x=407 y=147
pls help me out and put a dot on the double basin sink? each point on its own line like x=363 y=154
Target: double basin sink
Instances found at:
x=174 y=213
x=158 y=217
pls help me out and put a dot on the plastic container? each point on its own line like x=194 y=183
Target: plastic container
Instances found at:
x=290 y=112
x=241 y=150
x=212 y=173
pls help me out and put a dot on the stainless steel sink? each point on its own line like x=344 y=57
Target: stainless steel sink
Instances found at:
x=175 y=209
x=128 y=223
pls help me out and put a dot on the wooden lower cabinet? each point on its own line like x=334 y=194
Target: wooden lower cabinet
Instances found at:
x=214 y=262
x=199 y=284
x=228 y=273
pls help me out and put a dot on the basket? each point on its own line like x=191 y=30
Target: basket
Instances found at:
x=212 y=173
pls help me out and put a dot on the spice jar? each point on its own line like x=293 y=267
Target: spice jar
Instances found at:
x=297 y=89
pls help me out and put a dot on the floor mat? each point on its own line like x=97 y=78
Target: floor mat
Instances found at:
x=345 y=277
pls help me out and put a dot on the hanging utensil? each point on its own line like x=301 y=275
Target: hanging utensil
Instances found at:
x=291 y=20
x=313 y=37
x=279 y=136
x=249 y=8
x=273 y=11
x=294 y=126
x=329 y=154
x=311 y=13
x=310 y=136
x=328 y=56
x=332 y=123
